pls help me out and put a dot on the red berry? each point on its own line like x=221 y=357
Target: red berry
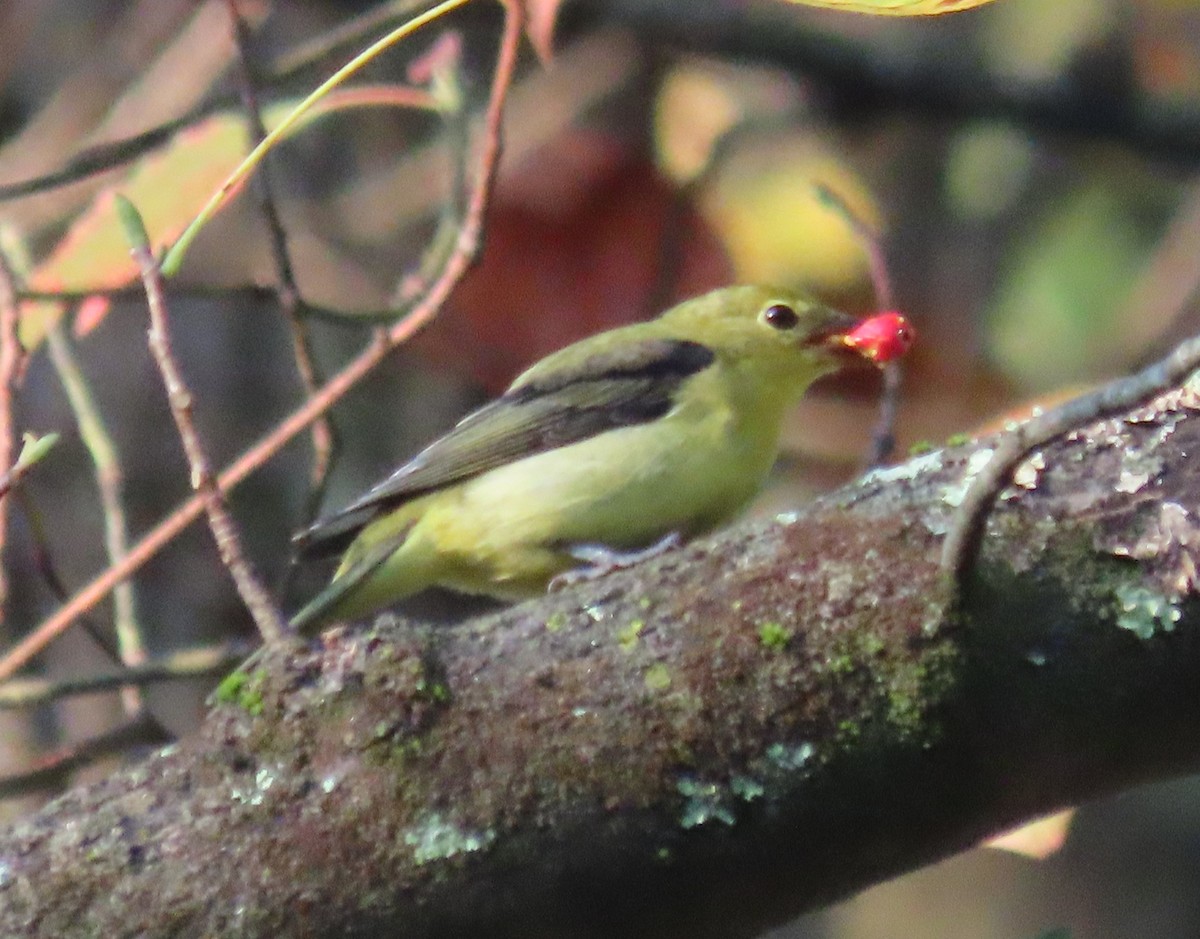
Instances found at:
x=883 y=337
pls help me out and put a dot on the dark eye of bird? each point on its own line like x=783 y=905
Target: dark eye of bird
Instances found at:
x=781 y=316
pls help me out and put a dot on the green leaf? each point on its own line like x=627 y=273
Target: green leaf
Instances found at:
x=34 y=449
x=132 y=224
x=1056 y=316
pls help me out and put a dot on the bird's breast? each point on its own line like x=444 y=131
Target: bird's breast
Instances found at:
x=685 y=472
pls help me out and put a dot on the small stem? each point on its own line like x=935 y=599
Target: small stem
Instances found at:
x=332 y=392
x=307 y=54
x=266 y=615
x=287 y=292
x=10 y=367
x=201 y=662
x=174 y=257
x=109 y=483
x=883 y=437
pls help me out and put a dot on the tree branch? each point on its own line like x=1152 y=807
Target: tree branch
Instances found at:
x=197 y=662
x=270 y=622
x=419 y=315
x=287 y=291
x=736 y=732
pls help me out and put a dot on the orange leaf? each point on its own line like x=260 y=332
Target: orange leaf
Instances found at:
x=168 y=187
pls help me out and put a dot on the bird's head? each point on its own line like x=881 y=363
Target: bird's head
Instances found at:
x=783 y=332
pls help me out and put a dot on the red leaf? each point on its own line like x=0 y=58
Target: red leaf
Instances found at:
x=578 y=250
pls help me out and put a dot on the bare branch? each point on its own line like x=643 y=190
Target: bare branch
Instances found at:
x=10 y=364
x=110 y=483
x=201 y=662
x=420 y=315
x=287 y=292
x=883 y=437
x=701 y=746
x=266 y=614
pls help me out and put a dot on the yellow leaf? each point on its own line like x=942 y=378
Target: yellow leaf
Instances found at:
x=701 y=100
x=765 y=203
x=896 y=7
x=1037 y=839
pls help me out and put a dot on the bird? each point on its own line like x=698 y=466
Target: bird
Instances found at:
x=631 y=439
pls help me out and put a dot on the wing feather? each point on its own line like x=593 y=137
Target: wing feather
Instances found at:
x=553 y=405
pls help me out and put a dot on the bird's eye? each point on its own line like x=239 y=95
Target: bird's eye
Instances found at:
x=781 y=316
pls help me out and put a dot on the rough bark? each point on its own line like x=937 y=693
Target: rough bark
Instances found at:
x=705 y=745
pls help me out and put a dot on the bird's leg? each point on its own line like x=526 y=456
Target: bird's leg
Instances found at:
x=600 y=560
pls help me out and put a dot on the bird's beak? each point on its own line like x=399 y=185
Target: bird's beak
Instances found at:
x=832 y=334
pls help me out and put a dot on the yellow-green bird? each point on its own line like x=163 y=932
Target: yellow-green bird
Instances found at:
x=659 y=429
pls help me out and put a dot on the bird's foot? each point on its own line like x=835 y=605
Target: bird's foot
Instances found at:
x=600 y=560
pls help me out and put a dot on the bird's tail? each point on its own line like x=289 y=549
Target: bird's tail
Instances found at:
x=326 y=605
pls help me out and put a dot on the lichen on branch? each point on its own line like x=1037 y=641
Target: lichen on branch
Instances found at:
x=704 y=745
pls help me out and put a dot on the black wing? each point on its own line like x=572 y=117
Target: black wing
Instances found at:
x=549 y=408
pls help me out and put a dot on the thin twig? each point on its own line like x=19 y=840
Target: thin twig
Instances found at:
x=883 y=436
x=961 y=546
x=10 y=366
x=96 y=159
x=109 y=483
x=438 y=68
x=43 y=562
x=249 y=293
x=51 y=771
x=324 y=440
x=9 y=480
x=286 y=289
x=108 y=471
x=266 y=615
x=90 y=161
x=200 y=662
x=300 y=114
x=417 y=318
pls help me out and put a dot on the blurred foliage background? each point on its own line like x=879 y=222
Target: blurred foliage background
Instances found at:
x=1028 y=168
